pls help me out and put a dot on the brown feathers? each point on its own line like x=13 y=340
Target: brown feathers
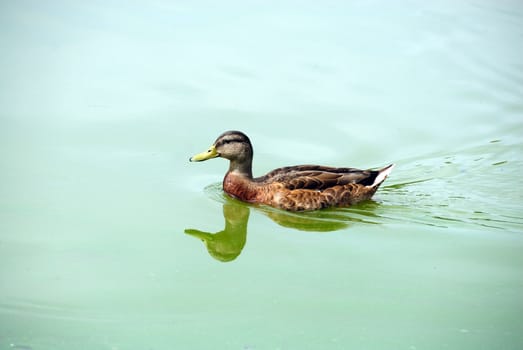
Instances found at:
x=296 y=188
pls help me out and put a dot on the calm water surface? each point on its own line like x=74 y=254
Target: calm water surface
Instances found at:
x=111 y=239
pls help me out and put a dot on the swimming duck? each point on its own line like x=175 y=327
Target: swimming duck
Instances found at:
x=294 y=188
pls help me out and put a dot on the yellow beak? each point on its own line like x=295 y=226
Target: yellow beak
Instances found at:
x=210 y=153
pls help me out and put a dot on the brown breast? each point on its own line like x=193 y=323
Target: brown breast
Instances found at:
x=240 y=187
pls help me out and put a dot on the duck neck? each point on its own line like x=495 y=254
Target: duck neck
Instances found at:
x=243 y=168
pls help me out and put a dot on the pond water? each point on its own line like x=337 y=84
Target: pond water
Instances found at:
x=111 y=239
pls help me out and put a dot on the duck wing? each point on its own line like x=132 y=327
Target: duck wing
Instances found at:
x=316 y=177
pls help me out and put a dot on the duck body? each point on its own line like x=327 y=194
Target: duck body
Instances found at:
x=293 y=188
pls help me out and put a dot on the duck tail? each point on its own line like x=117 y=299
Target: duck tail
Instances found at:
x=382 y=175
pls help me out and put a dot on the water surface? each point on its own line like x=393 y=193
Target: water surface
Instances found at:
x=111 y=239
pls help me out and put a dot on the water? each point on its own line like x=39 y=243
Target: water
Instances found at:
x=111 y=239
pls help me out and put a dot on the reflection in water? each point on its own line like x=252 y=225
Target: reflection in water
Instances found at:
x=305 y=221
x=227 y=244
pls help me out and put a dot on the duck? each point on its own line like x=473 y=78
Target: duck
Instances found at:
x=292 y=188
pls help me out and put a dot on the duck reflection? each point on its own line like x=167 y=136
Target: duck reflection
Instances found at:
x=304 y=222
x=227 y=244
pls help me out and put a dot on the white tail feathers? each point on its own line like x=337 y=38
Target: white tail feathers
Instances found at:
x=383 y=173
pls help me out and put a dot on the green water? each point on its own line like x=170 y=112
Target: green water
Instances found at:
x=111 y=239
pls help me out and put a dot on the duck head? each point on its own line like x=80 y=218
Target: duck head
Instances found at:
x=234 y=146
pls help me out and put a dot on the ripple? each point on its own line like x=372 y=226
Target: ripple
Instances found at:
x=469 y=194
x=215 y=192
x=20 y=347
x=36 y=309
